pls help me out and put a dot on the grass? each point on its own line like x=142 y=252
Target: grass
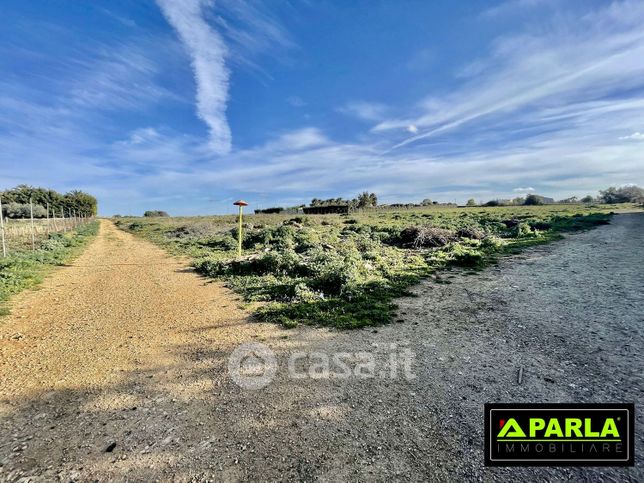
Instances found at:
x=346 y=271
x=26 y=268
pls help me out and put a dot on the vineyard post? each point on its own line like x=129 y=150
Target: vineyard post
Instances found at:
x=4 y=246
x=53 y=219
x=33 y=235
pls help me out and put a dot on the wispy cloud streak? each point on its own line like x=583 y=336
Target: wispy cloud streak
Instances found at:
x=208 y=53
x=566 y=63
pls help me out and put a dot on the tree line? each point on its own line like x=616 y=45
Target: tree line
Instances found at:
x=363 y=200
x=612 y=195
x=16 y=202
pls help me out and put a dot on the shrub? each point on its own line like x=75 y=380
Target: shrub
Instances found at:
x=533 y=200
x=55 y=242
x=154 y=213
x=623 y=194
x=471 y=232
x=23 y=210
x=426 y=236
x=466 y=256
x=192 y=230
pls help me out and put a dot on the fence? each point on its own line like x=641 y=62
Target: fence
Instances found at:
x=28 y=233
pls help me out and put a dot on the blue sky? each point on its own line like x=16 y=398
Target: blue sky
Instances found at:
x=187 y=105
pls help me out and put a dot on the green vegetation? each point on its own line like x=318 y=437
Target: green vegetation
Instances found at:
x=363 y=200
x=611 y=195
x=155 y=213
x=346 y=270
x=623 y=194
x=15 y=202
x=24 y=269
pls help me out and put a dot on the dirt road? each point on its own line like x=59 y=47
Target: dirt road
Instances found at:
x=127 y=346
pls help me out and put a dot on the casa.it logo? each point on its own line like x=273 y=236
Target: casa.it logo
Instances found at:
x=252 y=366
x=559 y=434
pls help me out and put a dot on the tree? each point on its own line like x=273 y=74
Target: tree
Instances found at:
x=153 y=213
x=587 y=199
x=533 y=200
x=426 y=202
x=80 y=202
x=471 y=202
x=75 y=200
x=366 y=199
x=23 y=210
x=623 y=194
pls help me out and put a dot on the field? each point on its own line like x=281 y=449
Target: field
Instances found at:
x=346 y=270
x=24 y=267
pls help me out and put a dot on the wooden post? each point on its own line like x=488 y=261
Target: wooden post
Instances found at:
x=33 y=235
x=53 y=219
x=241 y=204
x=62 y=214
x=4 y=246
x=48 y=227
x=239 y=233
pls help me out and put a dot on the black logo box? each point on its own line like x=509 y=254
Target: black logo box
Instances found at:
x=563 y=456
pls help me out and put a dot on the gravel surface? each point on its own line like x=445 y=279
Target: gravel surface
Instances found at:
x=117 y=369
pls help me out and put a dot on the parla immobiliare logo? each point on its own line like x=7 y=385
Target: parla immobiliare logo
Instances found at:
x=559 y=434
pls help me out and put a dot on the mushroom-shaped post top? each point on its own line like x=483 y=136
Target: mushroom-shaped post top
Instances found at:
x=240 y=203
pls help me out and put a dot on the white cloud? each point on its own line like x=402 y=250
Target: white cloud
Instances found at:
x=368 y=111
x=546 y=111
x=511 y=7
x=250 y=29
x=572 y=60
x=143 y=135
x=522 y=190
x=208 y=52
x=299 y=139
x=637 y=136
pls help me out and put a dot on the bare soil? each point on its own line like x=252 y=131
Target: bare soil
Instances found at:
x=127 y=349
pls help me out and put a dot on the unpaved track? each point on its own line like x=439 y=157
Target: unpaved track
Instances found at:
x=124 y=327
x=129 y=346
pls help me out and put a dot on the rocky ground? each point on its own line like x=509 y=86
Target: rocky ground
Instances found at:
x=117 y=369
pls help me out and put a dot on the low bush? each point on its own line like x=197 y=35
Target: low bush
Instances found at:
x=426 y=237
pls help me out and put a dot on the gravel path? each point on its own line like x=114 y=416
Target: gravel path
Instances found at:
x=127 y=346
